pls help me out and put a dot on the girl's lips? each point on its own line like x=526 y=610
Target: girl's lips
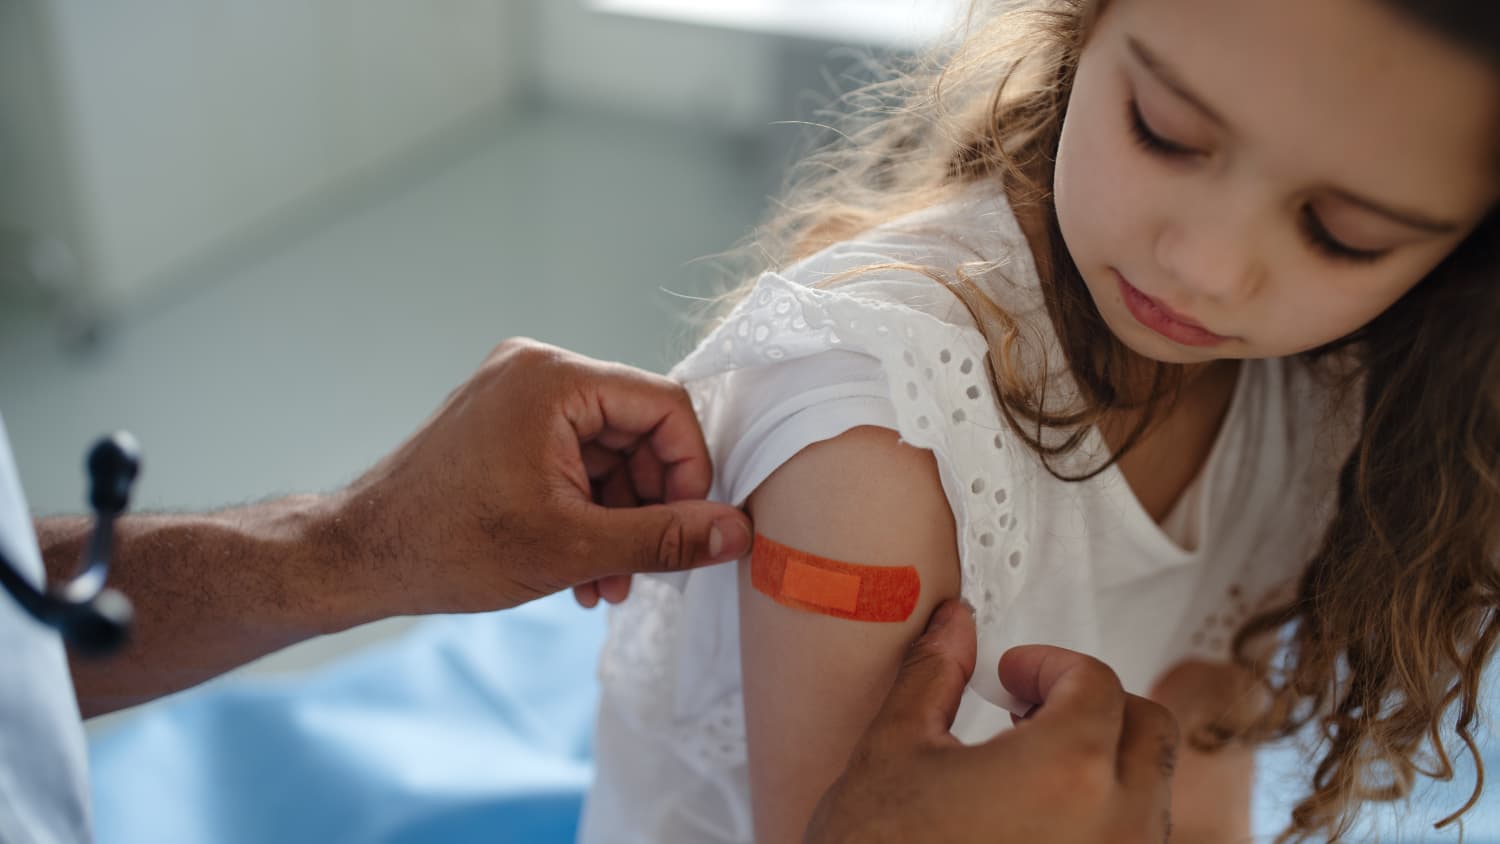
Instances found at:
x=1163 y=320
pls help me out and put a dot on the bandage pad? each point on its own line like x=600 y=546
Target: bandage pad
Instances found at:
x=804 y=581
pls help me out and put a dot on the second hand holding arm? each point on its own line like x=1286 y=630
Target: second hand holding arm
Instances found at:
x=1091 y=764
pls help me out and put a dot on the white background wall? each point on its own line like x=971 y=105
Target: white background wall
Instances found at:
x=33 y=169
x=680 y=72
x=183 y=122
x=151 y=135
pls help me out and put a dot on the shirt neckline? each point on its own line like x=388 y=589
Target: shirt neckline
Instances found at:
x=1142 y=526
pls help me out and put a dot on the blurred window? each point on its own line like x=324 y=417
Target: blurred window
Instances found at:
x=901 y=24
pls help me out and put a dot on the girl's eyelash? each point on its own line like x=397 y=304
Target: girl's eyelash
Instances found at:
x=1149 y=140
x=1312 y=228
x=1316 y=234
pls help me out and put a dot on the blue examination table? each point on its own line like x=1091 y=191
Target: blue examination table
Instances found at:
x=465 y=729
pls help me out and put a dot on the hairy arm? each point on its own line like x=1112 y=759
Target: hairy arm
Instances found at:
x=813 y=682
x=491 y=503
x=211 y=592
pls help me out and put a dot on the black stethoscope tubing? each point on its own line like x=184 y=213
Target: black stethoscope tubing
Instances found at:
x=92 y=619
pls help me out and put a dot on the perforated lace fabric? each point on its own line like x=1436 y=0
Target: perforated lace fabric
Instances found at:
x=943 y=402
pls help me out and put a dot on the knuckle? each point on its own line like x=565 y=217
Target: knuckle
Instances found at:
x=934 y=660
x=1166 y=724
x=1155 y=718
x=1100 y=676
x=646 y=385
x=1167 y=761
x=672 y=546
x=512 y=346
x=924 y=662
x=924 y=654
x=675 y=391
x=1168 y=737
x=523 y=351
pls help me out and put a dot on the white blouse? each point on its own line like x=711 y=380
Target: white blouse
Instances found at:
x=810 y=354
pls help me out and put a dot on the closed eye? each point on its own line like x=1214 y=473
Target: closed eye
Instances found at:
x=1151 y=140
x=1318 y=235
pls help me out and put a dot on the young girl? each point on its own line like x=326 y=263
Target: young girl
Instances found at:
x=1164 y=330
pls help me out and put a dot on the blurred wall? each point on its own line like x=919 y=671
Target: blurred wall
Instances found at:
x=714 y=77
x=150 y=138
x=148 y=133
x=33 y=169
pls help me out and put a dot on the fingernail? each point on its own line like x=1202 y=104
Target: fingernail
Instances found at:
x=728 y=539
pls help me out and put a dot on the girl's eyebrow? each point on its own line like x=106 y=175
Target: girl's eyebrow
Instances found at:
x=1415 y=220
x=1171 y=80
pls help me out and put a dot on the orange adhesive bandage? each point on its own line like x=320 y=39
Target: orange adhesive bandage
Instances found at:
x=860 y=593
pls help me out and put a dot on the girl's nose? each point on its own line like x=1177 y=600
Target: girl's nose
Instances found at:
x=1210 y=258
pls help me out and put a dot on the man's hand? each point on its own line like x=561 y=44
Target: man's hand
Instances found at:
x=546 y=470
x=498 y=499
x=1091 y=764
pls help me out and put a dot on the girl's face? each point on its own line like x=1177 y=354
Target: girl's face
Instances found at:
x=1256 y=178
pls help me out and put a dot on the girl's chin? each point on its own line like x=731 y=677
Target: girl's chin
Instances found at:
x=1166 y=352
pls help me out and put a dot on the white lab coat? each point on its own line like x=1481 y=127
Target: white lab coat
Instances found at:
x=43 y=766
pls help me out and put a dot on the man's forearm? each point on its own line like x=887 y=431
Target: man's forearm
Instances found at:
x=212 y=592
x=489 y=504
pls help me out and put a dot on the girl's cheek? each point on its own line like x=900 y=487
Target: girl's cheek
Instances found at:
x=1109 y=192
x=1083 y=166
x=1312 y=308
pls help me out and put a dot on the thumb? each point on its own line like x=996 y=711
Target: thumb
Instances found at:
x=925 y=697
x=666 y=537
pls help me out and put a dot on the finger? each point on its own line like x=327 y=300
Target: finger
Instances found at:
x=687 y=476
x=925 y=696
x=634 y=401
x=614 y=490
x=664 y=537
x=599 y=461
x=1147 y=762
x=629 y=403
x=587 y=595
x=614 y=588
x=1148 y=748
x=621 y=442
x=672 y=435
x=646 y=475
x=1073 y=690
x=639 y=404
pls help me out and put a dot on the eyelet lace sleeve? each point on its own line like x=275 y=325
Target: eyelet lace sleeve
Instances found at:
x=943 y=401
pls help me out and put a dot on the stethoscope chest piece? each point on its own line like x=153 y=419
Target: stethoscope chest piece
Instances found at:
x=93 y=620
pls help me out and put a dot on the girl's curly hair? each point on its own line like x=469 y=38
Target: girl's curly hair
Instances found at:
x=1396 y=614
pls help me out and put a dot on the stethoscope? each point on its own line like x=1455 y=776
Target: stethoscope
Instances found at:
x=93 y=620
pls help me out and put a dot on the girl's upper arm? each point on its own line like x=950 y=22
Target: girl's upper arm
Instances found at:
x=813 y=682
